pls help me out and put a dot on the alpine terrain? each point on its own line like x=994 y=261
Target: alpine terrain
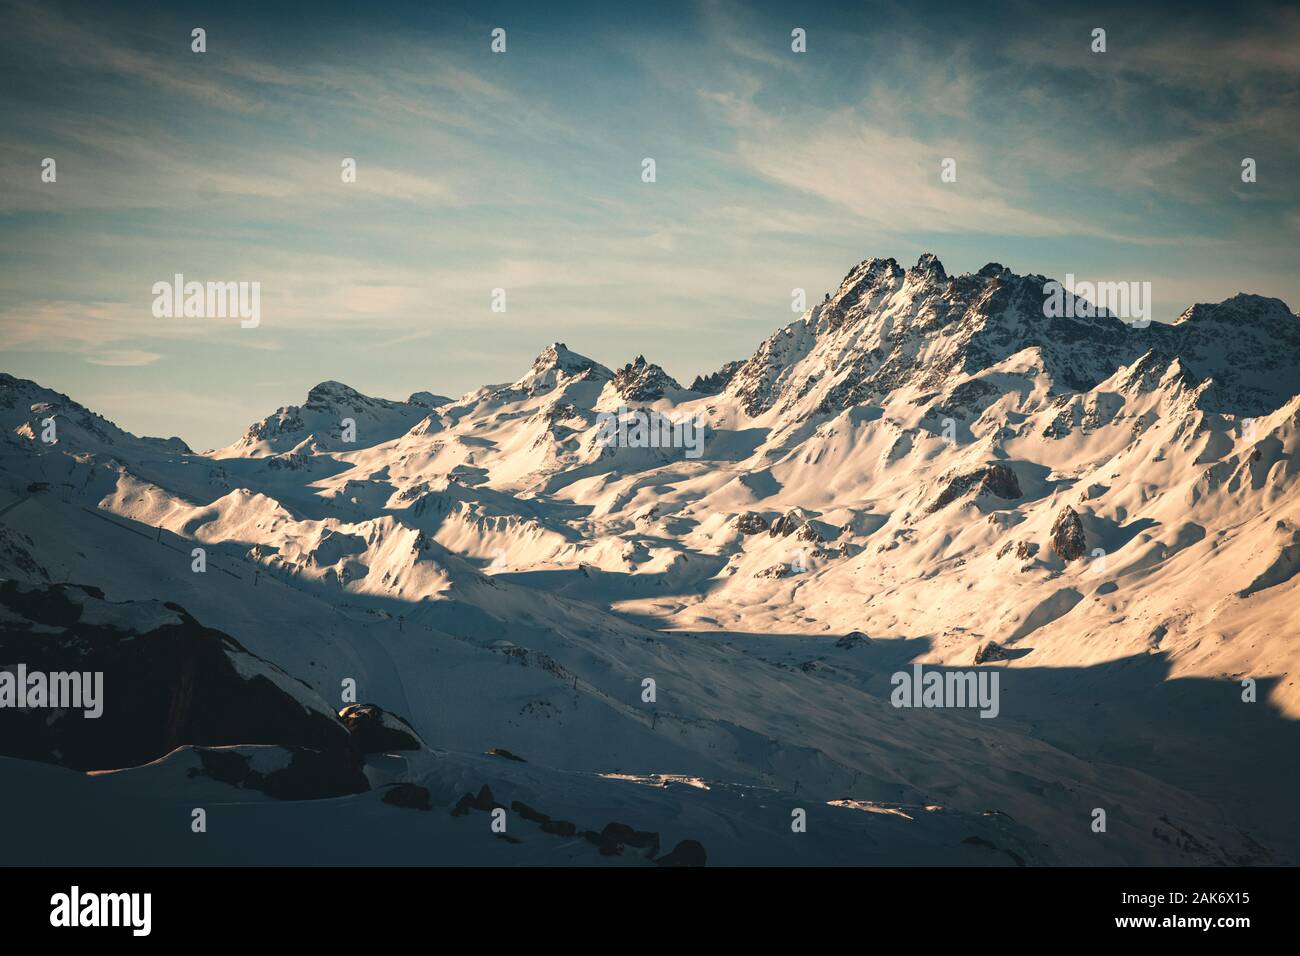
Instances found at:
x=659 y=623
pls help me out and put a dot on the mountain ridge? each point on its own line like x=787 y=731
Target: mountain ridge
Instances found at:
x=909 y=461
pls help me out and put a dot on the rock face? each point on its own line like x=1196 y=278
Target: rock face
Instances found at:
x=786 y=524
x=167 y=681
x=563 y=828
x=16 y=559
x=796 y=522
x=409 y=795
x=1243 y=347
x=997 y=480
x=286 y=773
x=1024 y=550
x=640 y=381
x=715 y=382
x=853 y=639
x=484 y=801
x=887 y=327
x=991 y=651
x=1067 y=535
x=751 y=524
x=686 y=853
x=375 y=731
x=556 y=366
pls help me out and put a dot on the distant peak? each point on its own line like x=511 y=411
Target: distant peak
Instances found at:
x=428 y=399
x=329 y=390
x=556 y=362
x=558 y=356
x=1242 y=307
x=929 y=265
x=640 y=381
x=875 y=266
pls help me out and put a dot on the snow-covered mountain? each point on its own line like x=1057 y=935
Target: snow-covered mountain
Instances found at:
x=318 y=424
x=922 y=469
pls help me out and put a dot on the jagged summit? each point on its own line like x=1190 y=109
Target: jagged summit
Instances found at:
x=927 y=458
x=715 y=382
x=558 y=356
x=642 y=381
x=930 y=266
x=886 y=328
x=557 y=365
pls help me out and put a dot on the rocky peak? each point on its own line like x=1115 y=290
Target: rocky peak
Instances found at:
x=884 y=329
x=642 y=381
x=715 y=382
x=1242 y=308
x=929 y=266
x=555 y=365
x=331 y=394
x=1246 y=351
x=1068 y=539
x=558 y=357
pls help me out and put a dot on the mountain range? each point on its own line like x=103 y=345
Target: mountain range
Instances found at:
x=642 y=656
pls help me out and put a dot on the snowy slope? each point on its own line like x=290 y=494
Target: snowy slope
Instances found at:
x=922 y=458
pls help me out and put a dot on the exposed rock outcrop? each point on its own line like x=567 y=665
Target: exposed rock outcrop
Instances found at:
x=1067 y=536
x=285 y=773
x=997 y=480
x=412 y=796
x=715 y=382
x=686 y=853
x=991 y=651
x=167 y=681
x=375 y=731
x=642 y=381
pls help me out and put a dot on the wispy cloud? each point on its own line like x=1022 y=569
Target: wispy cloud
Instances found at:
x=478 y=171
x=124 y=358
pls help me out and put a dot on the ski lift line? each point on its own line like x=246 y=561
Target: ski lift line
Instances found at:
x=103 y=517
x=12 y=505
x=124 y=527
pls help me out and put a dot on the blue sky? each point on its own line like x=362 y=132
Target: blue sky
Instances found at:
x=522 y=171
